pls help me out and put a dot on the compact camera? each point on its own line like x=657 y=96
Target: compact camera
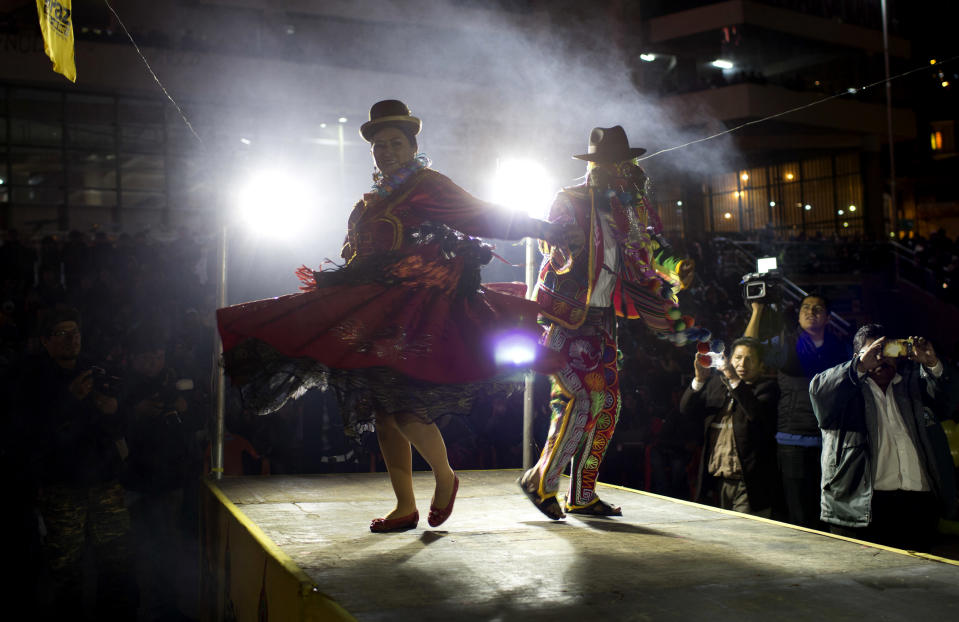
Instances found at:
x=895 y=348
x=171 y=392
x=104 y=383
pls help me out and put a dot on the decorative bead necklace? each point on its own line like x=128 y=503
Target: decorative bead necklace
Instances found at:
x=383 y=185
x=624 y=184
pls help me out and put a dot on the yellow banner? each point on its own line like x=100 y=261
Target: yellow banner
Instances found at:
x=56 y=24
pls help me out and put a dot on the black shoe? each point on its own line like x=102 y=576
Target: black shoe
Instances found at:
x=596 y=508
x=548 y=506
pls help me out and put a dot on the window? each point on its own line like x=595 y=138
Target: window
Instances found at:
x=805 y=196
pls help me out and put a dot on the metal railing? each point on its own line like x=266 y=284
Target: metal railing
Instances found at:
x=908 y=268
x=791 y=291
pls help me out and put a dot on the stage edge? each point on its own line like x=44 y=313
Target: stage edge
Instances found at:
x=245 y=576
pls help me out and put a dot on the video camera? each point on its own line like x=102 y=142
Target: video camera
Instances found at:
x=764 y=284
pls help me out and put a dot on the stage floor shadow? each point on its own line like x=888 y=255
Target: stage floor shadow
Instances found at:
x=498 y=558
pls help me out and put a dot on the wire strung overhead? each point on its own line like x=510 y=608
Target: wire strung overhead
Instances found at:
x=847 y=92
x=155 y=77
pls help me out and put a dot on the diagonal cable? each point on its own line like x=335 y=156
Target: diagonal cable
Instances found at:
x=849 y=91
x=152 y=73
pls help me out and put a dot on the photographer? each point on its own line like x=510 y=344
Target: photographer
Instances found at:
x=162 y=430
x=801 y=354
x=878 y=412
x=161 y=420
x=73 y=451
x=738 y=409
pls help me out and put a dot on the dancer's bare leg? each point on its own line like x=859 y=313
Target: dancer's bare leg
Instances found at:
x=428 y=440
x=398 y=456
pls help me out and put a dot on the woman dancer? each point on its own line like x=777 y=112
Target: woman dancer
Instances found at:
x=404 y=332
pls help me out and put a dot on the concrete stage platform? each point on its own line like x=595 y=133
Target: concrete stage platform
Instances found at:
x=498 y=558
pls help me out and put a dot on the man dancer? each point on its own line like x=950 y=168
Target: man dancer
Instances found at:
x=618 y=264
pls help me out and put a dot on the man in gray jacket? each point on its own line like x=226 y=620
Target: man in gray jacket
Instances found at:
x=878 y=416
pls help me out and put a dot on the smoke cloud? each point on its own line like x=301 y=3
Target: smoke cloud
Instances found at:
x=488 y=83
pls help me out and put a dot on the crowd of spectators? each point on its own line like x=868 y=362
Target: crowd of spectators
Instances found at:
x=929 y=262
x=146 y=312
x=106 y=352
x=932 y=263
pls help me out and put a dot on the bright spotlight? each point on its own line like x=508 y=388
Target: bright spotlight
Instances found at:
x=245 y=141
x=772 y=204
x=727 y=215
x=852 y=208
x=523 y=185
x=648 y=57
x=342 y=119
x=273 y=203
x=679 y=203
x=722 y=64
x=808 y=207
x=516 y=349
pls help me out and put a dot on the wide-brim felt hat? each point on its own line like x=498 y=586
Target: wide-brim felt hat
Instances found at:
x=609 y=145
x=389 y=112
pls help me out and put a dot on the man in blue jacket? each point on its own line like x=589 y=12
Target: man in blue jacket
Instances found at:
x=803 y=353
x=878 y=415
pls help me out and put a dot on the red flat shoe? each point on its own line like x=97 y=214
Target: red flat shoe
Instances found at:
x=383 y=525
x=437 y=516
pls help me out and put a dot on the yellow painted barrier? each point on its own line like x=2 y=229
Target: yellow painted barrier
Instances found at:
x=244 y=576
x=952 y=435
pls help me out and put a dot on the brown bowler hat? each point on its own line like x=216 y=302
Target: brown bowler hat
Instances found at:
x=389 y=111
x=610 y=145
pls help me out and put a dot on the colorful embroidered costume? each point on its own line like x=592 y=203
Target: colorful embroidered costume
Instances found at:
x=405 y=326
x=621 y=270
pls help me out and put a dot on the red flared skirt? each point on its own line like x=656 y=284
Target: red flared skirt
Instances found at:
x=392 y=334
x=424 y=333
